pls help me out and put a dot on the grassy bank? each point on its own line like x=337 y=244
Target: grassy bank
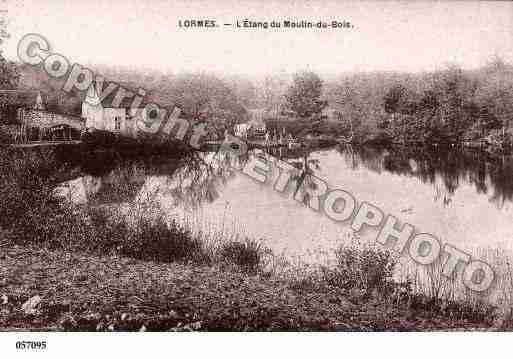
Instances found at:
x=97 y=271
x=108 y=292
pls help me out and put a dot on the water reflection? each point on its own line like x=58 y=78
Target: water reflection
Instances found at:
x=492 y=175
x=461 y=197
x=190 y=180
x=197 y=178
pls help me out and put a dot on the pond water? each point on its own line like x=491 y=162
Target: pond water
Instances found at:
x=464 y=198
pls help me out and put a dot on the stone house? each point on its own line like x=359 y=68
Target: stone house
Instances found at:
x=24 y=114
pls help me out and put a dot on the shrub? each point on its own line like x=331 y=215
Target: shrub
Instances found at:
x=366 y=269
x=248 y=255
x=28 y=208
x=31 y=213
x=161 y=242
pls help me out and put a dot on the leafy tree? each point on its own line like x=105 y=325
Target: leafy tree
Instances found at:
x=9 y=75
x=206 y=97
x=9 y=80
x=350 y=118
x=488 y=120
x=304 y=95
x=429 y=102
x=396 y=100
x=496 y=92
x=456 y=110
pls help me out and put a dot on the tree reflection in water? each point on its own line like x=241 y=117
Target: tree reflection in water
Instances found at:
x=444 y=168
x=190 y=180
x=200 y=176
x=303 y=180
x=197 y=177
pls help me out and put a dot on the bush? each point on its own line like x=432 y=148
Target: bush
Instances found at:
x=158 y=241
x=7 y=134
x=28 y=208
x=248 y=254
x=31 y=213
x=366 y=269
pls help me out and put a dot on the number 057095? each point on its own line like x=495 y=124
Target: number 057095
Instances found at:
x=31 y=345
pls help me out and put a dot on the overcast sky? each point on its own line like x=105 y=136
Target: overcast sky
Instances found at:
x=399 y=36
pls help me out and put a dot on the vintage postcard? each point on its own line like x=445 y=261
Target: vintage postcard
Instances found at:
x=251 y=166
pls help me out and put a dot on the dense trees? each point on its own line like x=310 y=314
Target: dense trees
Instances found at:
x=397 y=100
x=448 y=105
x=205 y=97
x=495 y=92
x=9 y=74
x=9 y=80
x=454 y=105
x=304 y=95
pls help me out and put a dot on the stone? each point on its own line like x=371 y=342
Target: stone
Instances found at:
x=30 y=306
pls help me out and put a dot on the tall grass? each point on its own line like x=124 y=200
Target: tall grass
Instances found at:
x=367 y=269
x=30 y=213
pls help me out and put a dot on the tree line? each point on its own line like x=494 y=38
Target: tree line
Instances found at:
x=450 y=105
x=456 y=106
x=446 y=106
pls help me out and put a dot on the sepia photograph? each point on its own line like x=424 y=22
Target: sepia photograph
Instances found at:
x=254 y=166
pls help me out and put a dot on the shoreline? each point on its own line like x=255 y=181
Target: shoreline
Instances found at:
x=86 y=292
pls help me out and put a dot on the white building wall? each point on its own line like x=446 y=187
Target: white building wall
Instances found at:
x=92 y=110
x=100 y=118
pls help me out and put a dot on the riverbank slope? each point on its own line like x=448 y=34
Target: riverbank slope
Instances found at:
x=85 y=292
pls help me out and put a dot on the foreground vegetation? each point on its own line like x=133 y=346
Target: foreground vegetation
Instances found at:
x=109 y=292
x=86 y=269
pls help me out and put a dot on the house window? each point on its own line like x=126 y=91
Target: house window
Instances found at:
x=117 y=123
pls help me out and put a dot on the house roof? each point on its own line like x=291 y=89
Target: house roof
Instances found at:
x=126 y=102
